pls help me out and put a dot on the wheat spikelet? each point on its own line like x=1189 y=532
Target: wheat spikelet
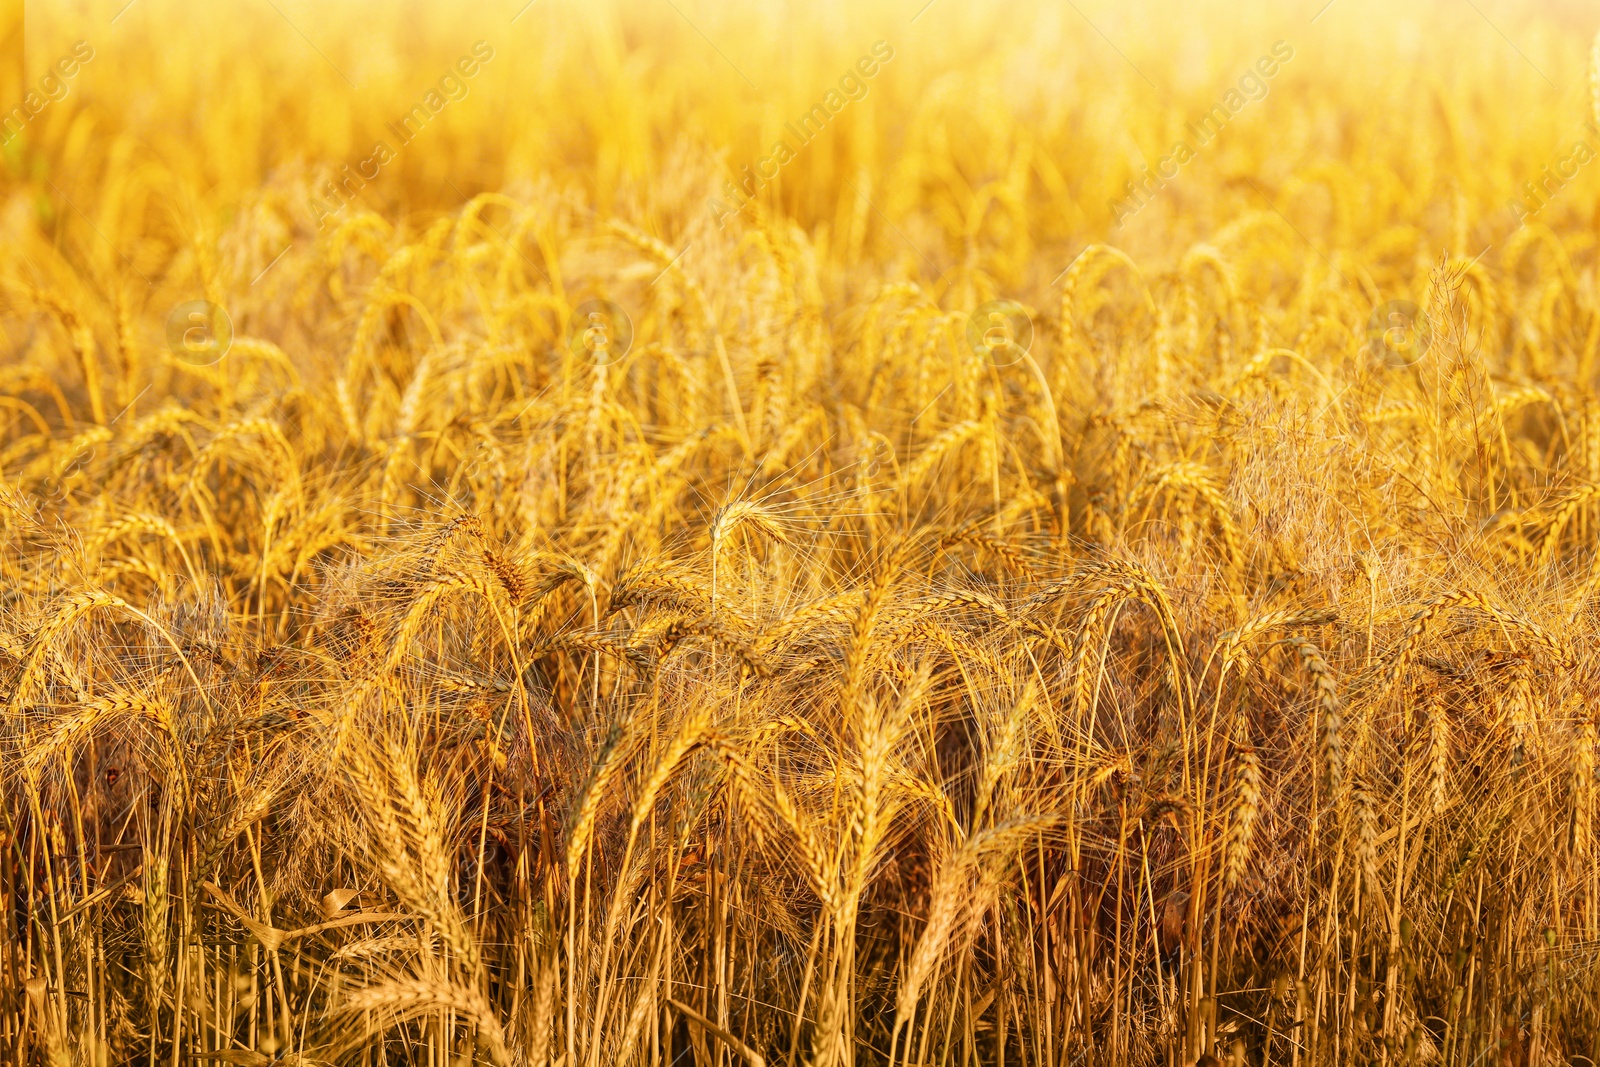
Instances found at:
x=1246 y=806
x=67 y=730
x=953 y=894
x=252 y=806
x=72 y=608
x=462 y=527
x=1422 y=619
x=282 y=454
x=739 y=514
x=425 y=602
x=407 y=841
x=1006 y=750
x=1195 y=477
x=543 y=1013
x=1581 y=840
x=1399 y=410
x=111 y=570
x=1085 y=272
x=409 y=998
x=688 y=737
x=1014 y=560
x=840 y=607
x=1152 y=593
x=945 y=901
x=375 y=947
x=803 y=428
x=817 y=864
x=744 y=790
x=81 y=336
x=925 y=606
x=1055 y=590
x=514 y=580
x=643 y=1004
x=48 y=1021
x=935 y=450
x=77 y=449
x=1331 y=705
x=663 y=579
x=607 y=765
x=1091 y=630
x=1560 y=517
x=154 y=916
x=1417 y=627
x=1237 y=641
x=1366 y=833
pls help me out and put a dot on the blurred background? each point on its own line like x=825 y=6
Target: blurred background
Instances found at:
x=648 y=107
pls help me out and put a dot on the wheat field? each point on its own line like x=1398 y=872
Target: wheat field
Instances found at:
x=582 y=534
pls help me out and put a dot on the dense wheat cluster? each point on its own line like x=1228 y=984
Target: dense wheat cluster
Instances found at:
x=1195 y=658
